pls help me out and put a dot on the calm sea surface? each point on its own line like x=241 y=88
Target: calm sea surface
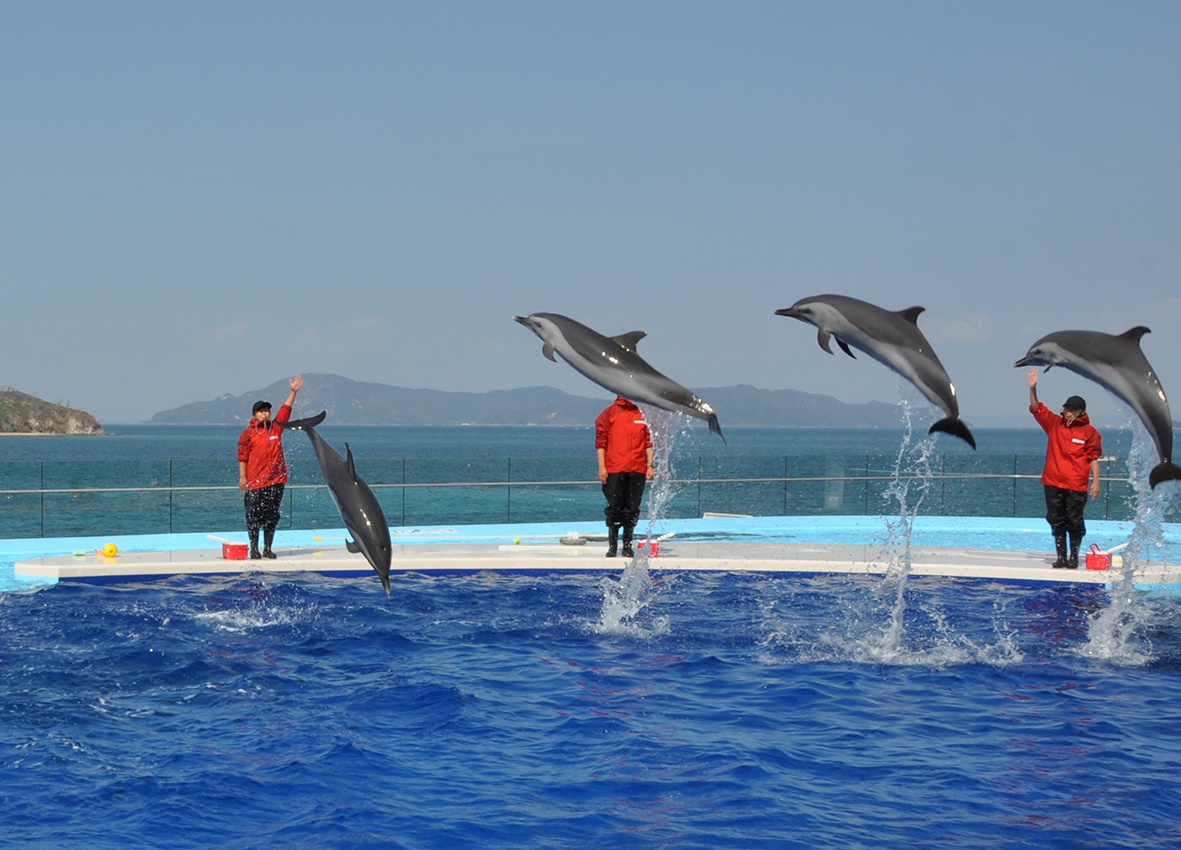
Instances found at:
x=153 y=479
x=692 y=711
x=215 y=444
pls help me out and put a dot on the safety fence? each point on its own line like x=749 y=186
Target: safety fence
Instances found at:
x=58 y=500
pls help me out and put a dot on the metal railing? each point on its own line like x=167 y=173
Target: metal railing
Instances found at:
x=56 y=511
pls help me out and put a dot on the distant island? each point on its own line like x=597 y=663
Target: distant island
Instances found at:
x=21 y=413
x=351 y=402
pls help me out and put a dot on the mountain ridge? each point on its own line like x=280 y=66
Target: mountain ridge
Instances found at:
x=350 y=402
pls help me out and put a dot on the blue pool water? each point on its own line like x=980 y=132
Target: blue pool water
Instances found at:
x=640 y=710
x=508 y=711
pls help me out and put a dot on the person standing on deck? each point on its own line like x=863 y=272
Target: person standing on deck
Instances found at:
x=262 y=470
x=626 y=456
x=1072 y=457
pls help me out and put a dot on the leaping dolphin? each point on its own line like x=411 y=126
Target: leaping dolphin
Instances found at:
x=1117 y=364
x=891 y=338
x=614 y=364
x=359 y=508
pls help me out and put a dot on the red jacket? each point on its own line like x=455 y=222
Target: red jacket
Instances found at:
x=622 y=431
x=1070 y=449
x=261 y=448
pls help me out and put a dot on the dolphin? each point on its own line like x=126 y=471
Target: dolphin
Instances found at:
x=359 y=508
x=891 y=338
x=1117 y=364
x=612 y=363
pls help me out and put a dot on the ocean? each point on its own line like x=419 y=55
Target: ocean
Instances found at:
x=173 y=479
x=728 y=710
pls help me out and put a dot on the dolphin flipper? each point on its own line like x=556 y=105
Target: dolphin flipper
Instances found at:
x=954 y=427
x=715 y=427
x=824 y=338
x=548 y=351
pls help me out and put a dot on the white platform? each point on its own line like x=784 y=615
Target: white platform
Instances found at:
x=674 y=556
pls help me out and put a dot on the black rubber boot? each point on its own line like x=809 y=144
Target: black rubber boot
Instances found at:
x=628 y=551
x=253 y=534
x=268 y=539
x=612 y=541
x=1060 y=549
x=1072 y=561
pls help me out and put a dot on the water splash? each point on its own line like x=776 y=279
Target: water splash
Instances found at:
x=911 y=481
x=627 y=600
x=667 y=430
x=936 y=639
x=1118 y=631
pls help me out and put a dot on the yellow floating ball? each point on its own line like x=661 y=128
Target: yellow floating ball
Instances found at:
x=110 y=550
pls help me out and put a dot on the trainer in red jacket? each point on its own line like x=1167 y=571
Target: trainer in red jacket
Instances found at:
x=1072 y=459
x=262 y=470
x=624 y=447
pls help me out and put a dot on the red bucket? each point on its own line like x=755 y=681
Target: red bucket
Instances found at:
x=237 y=551
x=1098 y=559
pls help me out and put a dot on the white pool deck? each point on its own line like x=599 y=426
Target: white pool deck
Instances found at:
x=778 y=545
x=538 y=558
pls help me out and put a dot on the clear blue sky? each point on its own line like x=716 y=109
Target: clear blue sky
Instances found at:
x=202 y=198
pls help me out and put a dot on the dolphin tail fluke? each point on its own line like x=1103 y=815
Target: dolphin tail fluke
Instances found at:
x=715 y=427
x=1166 y=471
x=956 y=428
x=305 y=424
x=385 y=582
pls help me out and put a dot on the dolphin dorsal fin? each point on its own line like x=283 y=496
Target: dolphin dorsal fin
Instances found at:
x=348 y=459
x=548 y=351
x=1134 y=334
x=628 y=340
x=304 y=424
x=911 y=314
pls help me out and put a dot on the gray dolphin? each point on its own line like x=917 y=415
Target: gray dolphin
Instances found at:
x=891 y=338
x=612 y=363
x=1117 y=364
x=359 y=508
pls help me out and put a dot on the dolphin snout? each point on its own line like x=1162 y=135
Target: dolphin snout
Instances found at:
x=524 y=320
x=791 y=312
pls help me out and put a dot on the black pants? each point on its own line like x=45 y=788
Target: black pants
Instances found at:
x=1064 y=512
x=262 y=507
x=624 y=491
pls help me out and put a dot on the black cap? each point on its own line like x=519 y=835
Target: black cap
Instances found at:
x=1075 y=402
x=260 y=405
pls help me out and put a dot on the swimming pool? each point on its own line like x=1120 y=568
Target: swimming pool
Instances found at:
x=651 y=710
